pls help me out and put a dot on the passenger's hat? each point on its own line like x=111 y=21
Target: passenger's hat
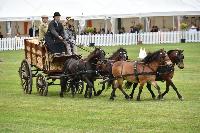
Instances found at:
x=44 y=16
x=56 y=14
x=68 y=18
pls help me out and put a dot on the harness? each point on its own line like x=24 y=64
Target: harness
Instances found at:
x=135 y=70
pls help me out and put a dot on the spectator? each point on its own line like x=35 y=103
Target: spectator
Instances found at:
x=193 y=29
x=154 y=29
x=95 y=31
x=198 y=28
x=31 y=32
x=1 y=36
x=122 y=30
x=17 y=35
x=102 y=31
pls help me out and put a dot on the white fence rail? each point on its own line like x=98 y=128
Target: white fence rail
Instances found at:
x=15 y=43
x=133 y=38
x=114 y=39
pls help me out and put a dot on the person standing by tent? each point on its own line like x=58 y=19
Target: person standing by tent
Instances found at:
x=43 y=27
x=70 y=35
x=1 y=36
x=55 y=35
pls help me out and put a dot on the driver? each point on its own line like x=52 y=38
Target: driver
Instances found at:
x=55 y=36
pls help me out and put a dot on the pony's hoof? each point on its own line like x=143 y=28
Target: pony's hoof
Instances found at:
x=90 y=95
x=154 y=97
x=127 y=97
x=138 y=99
x=98 y=93
x=61 y=95
x=85 y=96
x=131 y=96
x=112 y=98
x=160 y=97
x=181 y=98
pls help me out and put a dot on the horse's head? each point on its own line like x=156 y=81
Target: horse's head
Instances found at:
x=97 y=55
x=164 y=58
x=103 y=67
x=176 y=56
x=120 y=54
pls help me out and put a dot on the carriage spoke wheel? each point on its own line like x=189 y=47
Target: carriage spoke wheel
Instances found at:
x=41 y=85
x=25 y=74
x=80 y=87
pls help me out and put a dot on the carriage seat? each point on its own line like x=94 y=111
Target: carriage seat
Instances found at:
x=62 y=56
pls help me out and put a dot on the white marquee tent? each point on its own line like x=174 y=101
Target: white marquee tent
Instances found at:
x=14 y=10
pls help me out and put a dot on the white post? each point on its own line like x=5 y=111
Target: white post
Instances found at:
x=81 y=25
x=105 y=25
x=8 y=28
x=178 y=22
x=33 y=26
x=114 y=25
x=173 y=23
x=146 y=24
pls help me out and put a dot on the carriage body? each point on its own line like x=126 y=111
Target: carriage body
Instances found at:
x=42 y=65
x=37 y=55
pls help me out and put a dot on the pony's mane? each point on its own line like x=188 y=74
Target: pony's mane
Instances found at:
x=117 y=52
x=151 y=56
x=92 y=54
x=170 y=51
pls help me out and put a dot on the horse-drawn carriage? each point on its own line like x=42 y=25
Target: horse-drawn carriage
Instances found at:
x=74 y=71
x=42 y=65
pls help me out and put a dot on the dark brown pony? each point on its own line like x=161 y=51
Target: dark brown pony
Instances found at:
x=139 y=72
x=105 y=67
x=165 y=73
x=84 y=69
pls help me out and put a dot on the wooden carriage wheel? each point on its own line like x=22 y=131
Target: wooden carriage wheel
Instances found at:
x=25 y=74
x=41 y=84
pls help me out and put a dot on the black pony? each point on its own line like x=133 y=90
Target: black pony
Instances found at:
x=84 y=70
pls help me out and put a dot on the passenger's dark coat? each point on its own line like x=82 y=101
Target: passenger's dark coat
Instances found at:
x=54 y=44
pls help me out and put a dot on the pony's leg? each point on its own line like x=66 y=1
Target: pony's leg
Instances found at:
x=158 y=88
x=126 y=95
x=114 y=87
x=104 y=87
x=86 y=91
x=150 y=90
x=127 y=85
x=95 y=93
x=113 y=93
x=174 y=87
x=167 y=88
x=100 y=91
x=89 y=87
x=140 y=91
x=63 y=83
x=73 y=87
x=132 y=92
x=120 y=82
x=108 y=86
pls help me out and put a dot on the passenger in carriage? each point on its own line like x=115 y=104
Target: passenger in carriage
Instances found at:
x=55 y=36
x=43 y=27
x=70 y=35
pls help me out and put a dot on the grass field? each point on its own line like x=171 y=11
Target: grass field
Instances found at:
x=33 y=113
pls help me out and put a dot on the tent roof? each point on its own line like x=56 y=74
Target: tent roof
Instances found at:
x=11 y=10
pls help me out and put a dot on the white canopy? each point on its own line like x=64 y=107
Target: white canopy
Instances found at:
x=14 y=10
